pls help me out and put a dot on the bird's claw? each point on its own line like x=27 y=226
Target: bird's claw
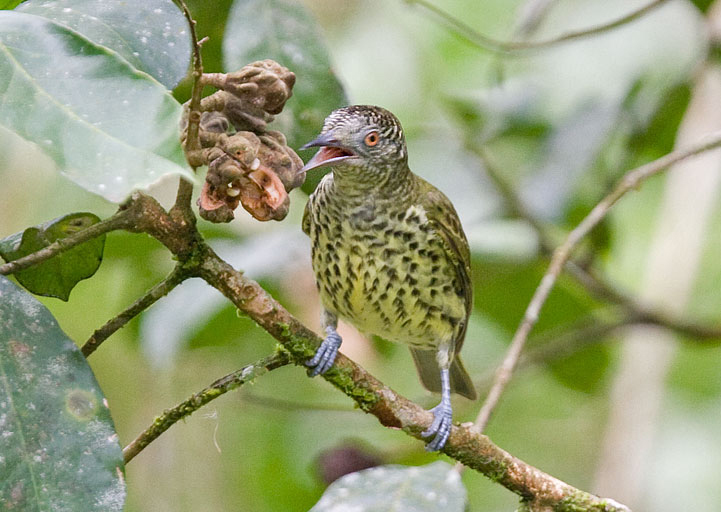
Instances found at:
x=441 y=426
x=325 y=355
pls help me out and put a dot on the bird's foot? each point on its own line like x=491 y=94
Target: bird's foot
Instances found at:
x=441 y=426
x=326 y=353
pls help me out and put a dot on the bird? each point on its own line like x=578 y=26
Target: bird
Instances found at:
x=389 y=254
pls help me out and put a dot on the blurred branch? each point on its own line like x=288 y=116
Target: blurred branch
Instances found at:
x=198 y=400
x=532 y=14
x=595 y=284
x=118 y=221
x=494 y=45
x=561 y=255
x=280 y=404
x=177 y=276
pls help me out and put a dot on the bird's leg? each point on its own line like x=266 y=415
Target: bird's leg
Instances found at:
x=442 y=416
x=328 y=350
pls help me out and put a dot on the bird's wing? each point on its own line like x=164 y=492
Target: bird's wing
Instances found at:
x=443 y=217
x=305 y=224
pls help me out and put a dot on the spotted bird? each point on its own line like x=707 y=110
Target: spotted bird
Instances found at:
x=389 y=254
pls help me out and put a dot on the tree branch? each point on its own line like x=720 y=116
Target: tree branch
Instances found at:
x=177 y=276
x=630 y=180
x=121 y=220
x=465 y=444
x=192 y=137
x=494 y=45
x=198 y=400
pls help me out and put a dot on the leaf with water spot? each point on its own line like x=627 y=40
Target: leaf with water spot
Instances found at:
x=57 y=276
x=108 y=126
x=58 y=445
x=426 y=488
x=151 y=35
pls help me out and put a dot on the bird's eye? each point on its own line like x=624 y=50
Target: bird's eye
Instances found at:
x=371 y=139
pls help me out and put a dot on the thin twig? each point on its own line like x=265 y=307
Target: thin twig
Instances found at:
x=177 y=276
x=561 y=255
x=192 y=138
x=488 y=43
x=198 y=400
x=595 y=284
x=117 y=221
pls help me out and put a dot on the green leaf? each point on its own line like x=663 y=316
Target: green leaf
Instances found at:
x=108 y=127
x=151 y=35
x=9 y=4
x=58 y=446
x=56 y=276
x=286 y=32
x=418 y=488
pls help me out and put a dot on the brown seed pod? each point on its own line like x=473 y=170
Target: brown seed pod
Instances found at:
x=249 y=98
x=257 y=172
x=252 y=167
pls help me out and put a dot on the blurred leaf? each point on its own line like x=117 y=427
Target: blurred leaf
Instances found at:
x=152 y=36
x=568 y=153
x=9 y=4
x=703 y=5
x=345 y=458
x=657 y=136
x=429 y=488
x=107 y=126
x=502 y=290
x=583 y=370
x=57 y=276
x=287 y=33
x=58 y=443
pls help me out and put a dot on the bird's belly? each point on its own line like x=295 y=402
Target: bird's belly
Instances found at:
x=392 y=283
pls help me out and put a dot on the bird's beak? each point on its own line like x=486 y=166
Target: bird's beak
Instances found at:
x=331 y=152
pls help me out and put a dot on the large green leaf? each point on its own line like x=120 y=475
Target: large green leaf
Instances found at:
x=57 y=276
x=418 y=488
x=286 y=32
x=58 y=446
x=151 y=35
x=109 y=127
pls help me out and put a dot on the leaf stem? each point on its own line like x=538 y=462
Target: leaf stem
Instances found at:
x=192 y=138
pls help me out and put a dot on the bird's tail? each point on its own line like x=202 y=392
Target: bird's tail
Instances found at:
x=430 y=374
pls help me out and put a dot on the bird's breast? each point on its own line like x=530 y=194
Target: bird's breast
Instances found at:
x=384 y=269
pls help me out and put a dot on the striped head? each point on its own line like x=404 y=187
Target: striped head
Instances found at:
x=360 y=138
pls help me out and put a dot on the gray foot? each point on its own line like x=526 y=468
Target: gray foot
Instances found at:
x=441 y=426
x=326 y=353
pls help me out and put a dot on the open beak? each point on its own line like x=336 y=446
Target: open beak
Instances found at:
x=331 y=152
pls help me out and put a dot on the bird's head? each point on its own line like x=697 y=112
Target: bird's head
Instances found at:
x=361 y=138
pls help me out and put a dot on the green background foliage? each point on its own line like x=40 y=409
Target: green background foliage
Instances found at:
x=560 y=125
